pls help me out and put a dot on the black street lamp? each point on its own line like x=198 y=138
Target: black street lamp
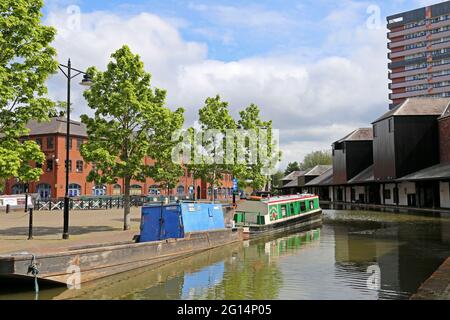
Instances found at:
x=85 y=82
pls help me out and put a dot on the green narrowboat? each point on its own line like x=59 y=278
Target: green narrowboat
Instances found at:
x=260 y=216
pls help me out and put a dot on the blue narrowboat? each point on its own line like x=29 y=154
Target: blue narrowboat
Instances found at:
x=166 y=221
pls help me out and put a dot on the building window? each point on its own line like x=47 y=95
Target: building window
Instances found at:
x=18 y=188
x=99 y=190
x=387 y=194
x=79 y=166
x=49 y=165
x=391 y=125
x=136 y=190
x=38 y=165
x=39 y=142
x=50 y=143
x=117 y=190
x=180 y=190
x=154 y=190
x=74 y=190
x=79 y=143
x=44 y=191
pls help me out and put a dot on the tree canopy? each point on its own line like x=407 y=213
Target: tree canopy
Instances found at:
x=291 y=167
x=130 y=123
x=26 y=61
x=316 y=158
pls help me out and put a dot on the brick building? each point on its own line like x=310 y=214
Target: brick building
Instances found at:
x=419 y=53
x=51 y=136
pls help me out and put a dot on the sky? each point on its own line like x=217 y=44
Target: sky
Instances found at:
x=317 y=68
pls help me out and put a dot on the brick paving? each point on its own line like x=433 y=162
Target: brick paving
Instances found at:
x=86 y=228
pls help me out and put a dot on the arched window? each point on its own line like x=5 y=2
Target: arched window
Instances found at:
x=117 y=190
x=74 y=190
x=99 y=190
x=180 y=190
x=154 y=190
x=18 y=188
x=135 y=190
x=44 y=190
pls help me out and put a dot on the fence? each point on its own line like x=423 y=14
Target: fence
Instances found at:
x=101 y=202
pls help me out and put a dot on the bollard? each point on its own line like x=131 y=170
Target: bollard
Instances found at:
x=7 y=208
x=30 y=225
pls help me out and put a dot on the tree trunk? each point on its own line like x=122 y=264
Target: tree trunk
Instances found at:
x=126 y=205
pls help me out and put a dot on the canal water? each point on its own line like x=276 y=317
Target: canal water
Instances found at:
x=355 y=255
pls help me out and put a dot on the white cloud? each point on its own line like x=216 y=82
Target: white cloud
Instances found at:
x=312 y=103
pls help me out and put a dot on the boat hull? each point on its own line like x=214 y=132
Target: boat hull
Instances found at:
x=83 y=265
x=299 y=223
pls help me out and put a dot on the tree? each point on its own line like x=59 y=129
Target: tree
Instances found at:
x=291 y=167
x=258 y=172
x=316 y=158
x=276 y=179
x=130 y=123
x=214 y=117
x=26 y=61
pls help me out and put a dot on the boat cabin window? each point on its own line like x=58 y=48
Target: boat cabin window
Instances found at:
x=302 y=206
x=311 y=205
x=283 y=210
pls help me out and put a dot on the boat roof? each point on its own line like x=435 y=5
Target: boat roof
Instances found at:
x=287 y=198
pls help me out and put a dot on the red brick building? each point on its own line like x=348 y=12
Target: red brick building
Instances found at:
x=51 y=136
x=419 y=45
x=444 y=136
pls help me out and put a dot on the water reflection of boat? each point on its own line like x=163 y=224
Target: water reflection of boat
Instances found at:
x=165 y=281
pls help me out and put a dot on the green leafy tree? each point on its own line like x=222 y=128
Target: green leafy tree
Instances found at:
x=26 y=61
x=291 y=167
x=214 y=115
x=276 y=179
x=316 y=158
x=255 y=172
x=130 y=123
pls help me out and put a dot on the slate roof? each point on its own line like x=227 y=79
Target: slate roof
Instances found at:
x=439 y=171
x=293 y=175
x=364 y=176
x=318 y=170
x=325 y=179
x=418 y=106
x=55 y=126
x=360 y=134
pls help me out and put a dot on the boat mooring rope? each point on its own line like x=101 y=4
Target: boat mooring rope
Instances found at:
x=33 y=269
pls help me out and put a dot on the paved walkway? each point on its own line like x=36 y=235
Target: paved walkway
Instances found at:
x=437 y=287
x=86 y=228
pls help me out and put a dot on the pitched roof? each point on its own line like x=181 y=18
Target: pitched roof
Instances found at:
x=439 y=171
x=360 y=134
x=419 y=106
x=324 y=179
x=364 y=176
x=293 y=175
x=318 y=170
x=446 y=113
x=55 y=126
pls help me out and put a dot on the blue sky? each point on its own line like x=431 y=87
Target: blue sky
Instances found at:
x=317 y=68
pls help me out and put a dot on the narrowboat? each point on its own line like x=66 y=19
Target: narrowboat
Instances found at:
x=168 y=232
x=260 y=216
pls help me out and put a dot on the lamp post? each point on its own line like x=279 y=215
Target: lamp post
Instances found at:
x=85 y=82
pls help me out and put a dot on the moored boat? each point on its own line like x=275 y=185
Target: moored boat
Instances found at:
x=260 y=216
x=168 y=232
